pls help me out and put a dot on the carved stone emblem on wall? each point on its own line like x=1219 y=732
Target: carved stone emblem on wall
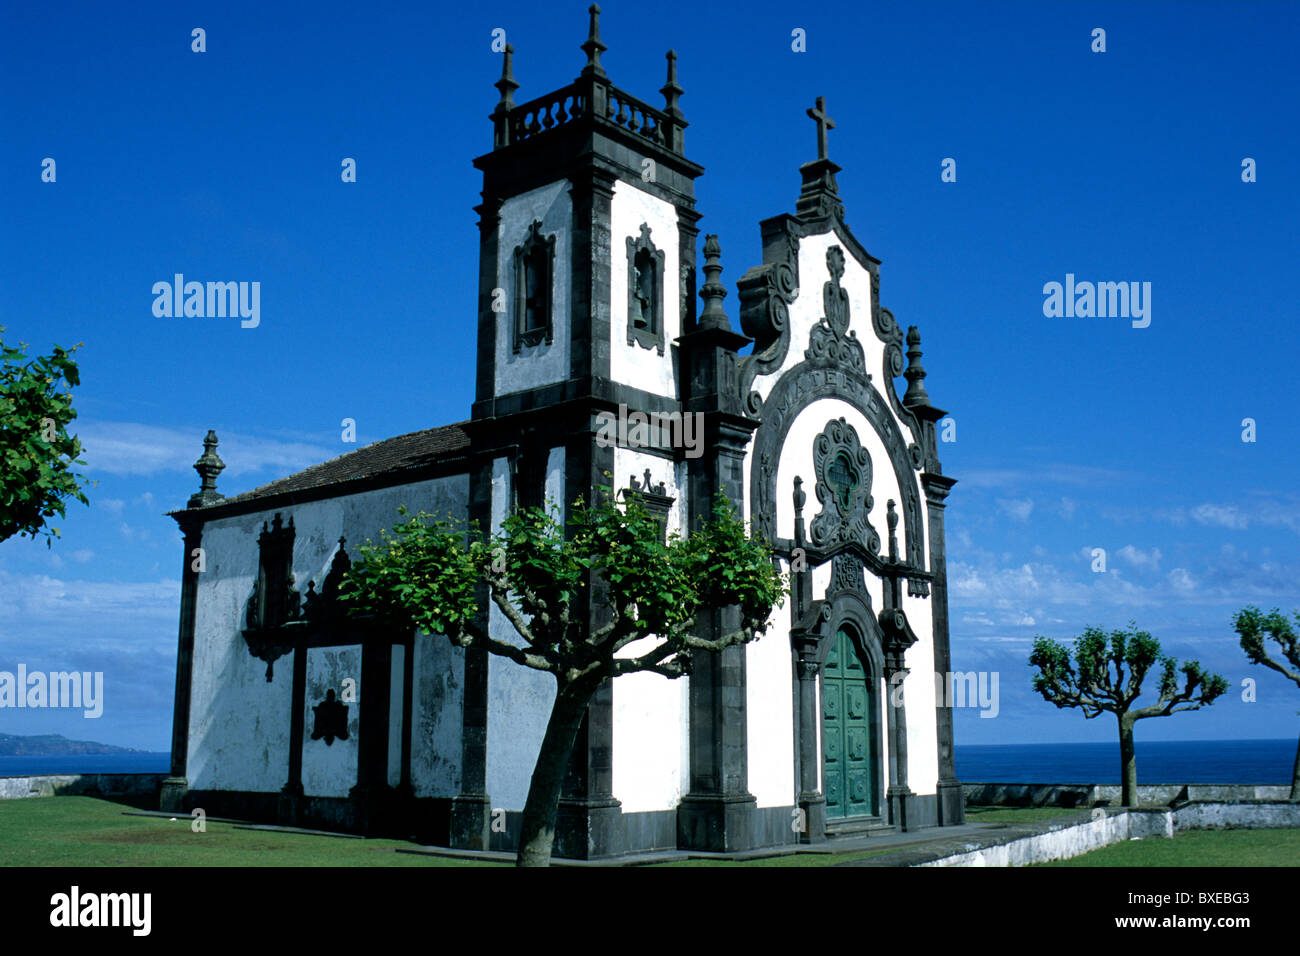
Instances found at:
x=831 y=340
x=331 y=719
x=843 y=470
x=274 y=600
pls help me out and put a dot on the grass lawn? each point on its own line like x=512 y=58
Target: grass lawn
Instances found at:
x=83 y=831
x=1022 y=814
x=1199 y=848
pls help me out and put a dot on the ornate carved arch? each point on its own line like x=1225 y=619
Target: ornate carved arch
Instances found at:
x=801 y=386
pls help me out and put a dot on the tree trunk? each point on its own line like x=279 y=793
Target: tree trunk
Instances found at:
x=1127 y=762
x=1295 y=777
x=537 y=833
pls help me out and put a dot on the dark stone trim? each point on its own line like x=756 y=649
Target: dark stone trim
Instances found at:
x=408 y=698
x=489 y=223
x=588 y=808
x=533 y=163
x=524 y=336
x=581 y=394
x=652 y=337
x=297 y=721
x=174 y=787
x=717 y=812
x=687 y=231
x=592 y=195
x=471 y=808
x=422 y=819
x=951 y=804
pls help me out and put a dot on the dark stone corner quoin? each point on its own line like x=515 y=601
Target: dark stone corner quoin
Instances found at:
x=594 y=136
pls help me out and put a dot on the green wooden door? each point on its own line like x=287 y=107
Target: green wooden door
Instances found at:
x=848 y=733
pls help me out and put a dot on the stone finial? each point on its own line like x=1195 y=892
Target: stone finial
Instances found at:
x=208 y=466
x=800 y=499
x=891 y=518
x=713 y=291
x=915 y=373
x=507 y=85
x=671 y=90
x=593 y=47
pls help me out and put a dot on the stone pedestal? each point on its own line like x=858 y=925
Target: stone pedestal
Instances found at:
x=717 y=823
x=173 y=793
x=588 y=829
x=471 y=819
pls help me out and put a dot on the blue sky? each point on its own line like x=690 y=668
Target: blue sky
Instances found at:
x=1072 y=433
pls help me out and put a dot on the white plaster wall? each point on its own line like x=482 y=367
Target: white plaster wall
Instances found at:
x=918 y=695
x=330 y=770
x=540 y=364
x=632 y=364
x=437 y=717
x=519 y=698
x=651 y=713
x=770 y=706
x=239 y=723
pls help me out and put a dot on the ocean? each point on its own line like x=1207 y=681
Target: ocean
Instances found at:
x=1181 y=761
x=85 y=763
x=1158 y=761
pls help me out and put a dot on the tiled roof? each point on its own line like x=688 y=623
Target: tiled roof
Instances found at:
x=390 y=455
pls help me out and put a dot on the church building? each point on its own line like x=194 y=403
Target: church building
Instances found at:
x=592 y=310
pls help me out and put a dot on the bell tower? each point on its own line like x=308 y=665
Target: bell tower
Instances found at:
x=587 y=242
x=586 y=310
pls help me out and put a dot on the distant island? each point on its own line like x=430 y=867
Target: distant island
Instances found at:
x=49 y=745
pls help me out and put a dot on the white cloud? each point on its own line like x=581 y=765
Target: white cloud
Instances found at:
x=112 y=505
x=132 y=448
x=1064 y=474
x=1224 y=516
x=1139 y=558
x=82 y=555
x=1180 y=580
x=1016 y=508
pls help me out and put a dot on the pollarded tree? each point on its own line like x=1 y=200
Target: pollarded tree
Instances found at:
x=1253 y=626
x=1097 y=682
x=36 y=451
x=434 y=577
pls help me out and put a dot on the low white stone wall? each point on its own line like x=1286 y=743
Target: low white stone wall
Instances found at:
x=1109 y=794
x=77 y=784
x=1105 y=828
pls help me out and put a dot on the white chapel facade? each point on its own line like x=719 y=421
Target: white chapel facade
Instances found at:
x=591 y=307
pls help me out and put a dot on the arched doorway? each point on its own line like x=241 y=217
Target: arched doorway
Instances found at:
x=850 y=726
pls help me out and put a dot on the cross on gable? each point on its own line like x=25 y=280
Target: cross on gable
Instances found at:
x=824 y=122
